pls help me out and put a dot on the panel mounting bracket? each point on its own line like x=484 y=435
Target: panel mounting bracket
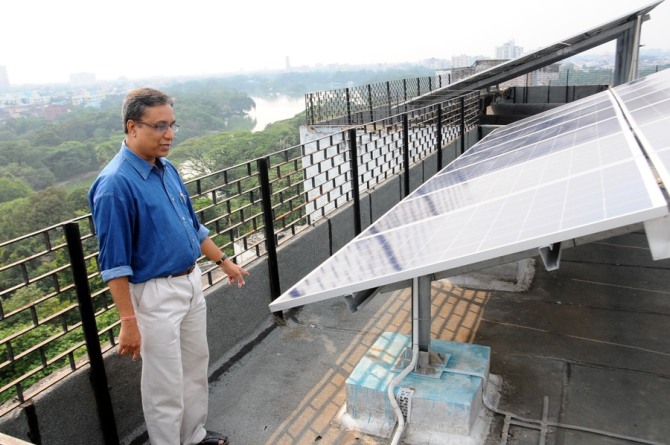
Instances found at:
x=551 y=256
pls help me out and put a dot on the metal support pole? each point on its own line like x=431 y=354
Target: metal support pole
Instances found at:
x=405 y=153
x=438 y=136
x=268 y=223
x=33 y=424
x=635 y=50
x=355 y=190
x=98 y=374
x=423 y=312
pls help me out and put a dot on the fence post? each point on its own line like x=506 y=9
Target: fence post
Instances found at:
x=89 y=326
x=462 y=124
x=348 y=106
x=270 y=239
x=438 y=135
x=355 y=190
x=372 y=110
x=309 y=104
x=388 y=95
x=405 y=153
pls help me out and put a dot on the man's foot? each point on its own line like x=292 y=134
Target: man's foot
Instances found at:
x=212 y=438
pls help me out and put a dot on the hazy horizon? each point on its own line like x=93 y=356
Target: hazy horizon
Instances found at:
x=50 y=41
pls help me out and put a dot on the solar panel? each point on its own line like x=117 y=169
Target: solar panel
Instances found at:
x=566 y=173
x=646 y=104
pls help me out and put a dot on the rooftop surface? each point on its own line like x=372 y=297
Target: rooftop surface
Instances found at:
x=590 y=342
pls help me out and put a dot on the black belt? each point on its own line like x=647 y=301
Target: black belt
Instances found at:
x=186 y=272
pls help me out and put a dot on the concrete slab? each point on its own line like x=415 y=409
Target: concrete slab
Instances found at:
x=625 y=400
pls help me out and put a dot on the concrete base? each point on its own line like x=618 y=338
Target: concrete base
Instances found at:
x=447 y=410
x=511 y=277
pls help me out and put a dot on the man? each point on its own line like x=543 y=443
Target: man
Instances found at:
x=149 y=239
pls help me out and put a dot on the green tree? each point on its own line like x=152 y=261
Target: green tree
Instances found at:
x=71 y=158
x=38 y=176
x=11 y=189
x=46 y=209
x=78 y=200
x=107 y=149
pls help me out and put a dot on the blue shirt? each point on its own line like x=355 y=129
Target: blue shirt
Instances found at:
x=145 y=223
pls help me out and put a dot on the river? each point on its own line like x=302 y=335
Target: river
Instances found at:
x=275 y=108
x=268 y=110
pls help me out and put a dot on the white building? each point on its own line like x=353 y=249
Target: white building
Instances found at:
x=508 y=51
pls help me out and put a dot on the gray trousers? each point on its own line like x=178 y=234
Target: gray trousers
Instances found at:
x=171 y=315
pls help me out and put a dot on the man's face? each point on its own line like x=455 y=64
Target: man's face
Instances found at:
x=145 y=140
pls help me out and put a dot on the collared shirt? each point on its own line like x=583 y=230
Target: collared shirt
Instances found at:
x=145 y=223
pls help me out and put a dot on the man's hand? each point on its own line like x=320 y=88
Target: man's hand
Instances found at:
x=235 y=273
x=129 y=336
x=130 y=339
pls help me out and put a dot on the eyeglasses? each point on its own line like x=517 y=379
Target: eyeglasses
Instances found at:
x=161 y=128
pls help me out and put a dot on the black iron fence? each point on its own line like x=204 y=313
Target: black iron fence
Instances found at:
x=250 y=209
x=367 y=103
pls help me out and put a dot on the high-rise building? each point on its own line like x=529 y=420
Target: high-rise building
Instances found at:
x=4 y=78
x=461 y=61
x=508 y=51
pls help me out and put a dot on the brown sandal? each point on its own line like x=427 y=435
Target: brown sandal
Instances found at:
x=212 y=438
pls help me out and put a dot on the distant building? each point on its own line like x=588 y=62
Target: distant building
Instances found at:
x=443 y=77
x=543 y=76
x=461 y=61
x=4 y=78
x=508 y=51
x=477 y=67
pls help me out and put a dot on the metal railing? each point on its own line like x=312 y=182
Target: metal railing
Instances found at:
x=250 y=209
x=367 y=103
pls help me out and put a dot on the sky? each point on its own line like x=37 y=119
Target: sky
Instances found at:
x=43 y=41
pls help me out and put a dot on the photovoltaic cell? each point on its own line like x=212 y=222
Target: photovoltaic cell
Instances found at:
x=569 y=172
